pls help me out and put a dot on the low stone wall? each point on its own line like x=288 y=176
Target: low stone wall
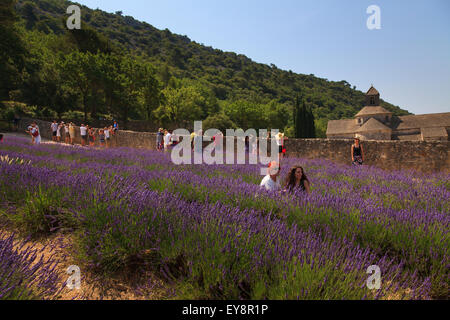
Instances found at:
x=424 y=156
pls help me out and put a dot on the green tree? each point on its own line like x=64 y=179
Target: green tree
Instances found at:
x=218 y=121
x=12 y=50
x=181 y=106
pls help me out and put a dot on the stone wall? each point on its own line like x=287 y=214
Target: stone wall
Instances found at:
x=425 y=156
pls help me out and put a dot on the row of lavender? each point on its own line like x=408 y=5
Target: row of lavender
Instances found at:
x=231 y=239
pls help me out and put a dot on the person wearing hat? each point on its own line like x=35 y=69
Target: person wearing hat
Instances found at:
x=271 y=181
x=357 y=153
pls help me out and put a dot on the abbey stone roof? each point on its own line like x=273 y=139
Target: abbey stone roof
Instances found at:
x=372 y=91
x=434 y=120
x=373 y=125
x=370 y=111
x=424 y=121
x=346 y=126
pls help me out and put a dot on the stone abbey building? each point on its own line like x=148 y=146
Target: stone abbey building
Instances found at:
x=374 y=122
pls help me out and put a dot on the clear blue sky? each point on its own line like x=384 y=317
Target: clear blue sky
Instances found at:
x=408 y=60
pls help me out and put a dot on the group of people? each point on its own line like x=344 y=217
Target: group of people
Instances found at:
x=63 y=131
x=166 y=139
x=66 y=131
x=295 y=180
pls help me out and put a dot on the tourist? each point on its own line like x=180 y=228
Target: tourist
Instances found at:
x=111 y=133
x=218 y=142
x=101 y=136
x=115 y=126
x=167 y=141
x=91 y=133
x=297 y=180
x=247 y=145
x=357 y=153
x=254 y=144
x=67 y=135
x=29 y=128
x=271 y=181
x=160 y=140
x=107 y=136
x=54 y=127
x=83 y=132
x=35 y=133
x=58 y=131
x=72 y=133
x=198 y=142
x=174 y=138
x=280 y=138
x=193 y=135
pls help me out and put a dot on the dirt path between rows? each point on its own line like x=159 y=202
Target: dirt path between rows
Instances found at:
x=93 y=287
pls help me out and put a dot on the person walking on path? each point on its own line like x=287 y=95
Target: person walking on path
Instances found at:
x=58 y=132
x=72 y=133
x=54 y=127
x=271 y=181
x=254 y=144
x=193 y=135
x=101 y=136
x=29 y=128
x=167 y=142
x=113 y=143
x=198 y=142
x=35 y=133
x=66 y=134
x=160 y=140
x=357 y=153
x=91 y=133
x=83 y=132
x=107 y=137
x=297 y=180
x=280 y=138
x=174 y=138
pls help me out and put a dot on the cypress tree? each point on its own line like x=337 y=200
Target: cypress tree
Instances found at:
x=297 y=117
x=303 y=121
x=313 y=125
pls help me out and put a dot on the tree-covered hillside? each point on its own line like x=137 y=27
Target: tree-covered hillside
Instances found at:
x=116 y=66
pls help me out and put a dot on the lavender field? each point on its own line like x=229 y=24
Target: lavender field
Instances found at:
x=211 y=232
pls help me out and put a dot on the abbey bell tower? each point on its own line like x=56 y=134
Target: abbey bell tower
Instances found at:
x=372 y=97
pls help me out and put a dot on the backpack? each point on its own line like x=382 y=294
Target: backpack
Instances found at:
x=36 y=133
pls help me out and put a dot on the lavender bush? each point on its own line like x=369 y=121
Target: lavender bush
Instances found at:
x=218 y=235
x=23 y=274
